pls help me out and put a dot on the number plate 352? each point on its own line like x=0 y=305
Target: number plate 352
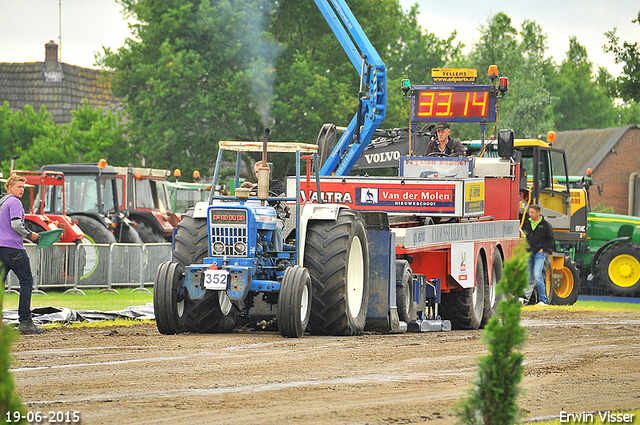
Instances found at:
x=216 y=279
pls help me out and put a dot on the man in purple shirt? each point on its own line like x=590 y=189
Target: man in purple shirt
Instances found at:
x=13 y=256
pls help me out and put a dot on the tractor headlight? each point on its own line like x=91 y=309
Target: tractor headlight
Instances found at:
x=240 y=248
x=218 y=248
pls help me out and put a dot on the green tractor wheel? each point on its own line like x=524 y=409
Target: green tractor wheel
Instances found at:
x=619 y=270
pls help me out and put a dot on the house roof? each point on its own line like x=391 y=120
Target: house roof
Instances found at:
x=61 y=87
x=587 y=148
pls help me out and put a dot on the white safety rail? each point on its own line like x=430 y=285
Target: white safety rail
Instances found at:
x=456 y=233
x=72 y=267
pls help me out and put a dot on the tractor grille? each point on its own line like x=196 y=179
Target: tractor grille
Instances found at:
x=228 y=233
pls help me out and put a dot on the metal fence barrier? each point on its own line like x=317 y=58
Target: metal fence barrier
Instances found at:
x=71 y=267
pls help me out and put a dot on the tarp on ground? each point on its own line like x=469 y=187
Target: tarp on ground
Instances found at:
x=44 y=315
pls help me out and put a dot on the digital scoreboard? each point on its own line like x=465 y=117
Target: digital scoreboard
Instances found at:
x=453 y=103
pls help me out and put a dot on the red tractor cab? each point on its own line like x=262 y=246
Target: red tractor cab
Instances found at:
x=143 y=195
x=47 y=206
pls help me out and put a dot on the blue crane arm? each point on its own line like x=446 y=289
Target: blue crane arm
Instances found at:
x=372 y=102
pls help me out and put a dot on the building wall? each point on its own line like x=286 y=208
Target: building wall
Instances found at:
x=614 y=171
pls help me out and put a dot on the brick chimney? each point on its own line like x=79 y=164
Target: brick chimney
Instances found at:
x=52 y=69
x=51 y=52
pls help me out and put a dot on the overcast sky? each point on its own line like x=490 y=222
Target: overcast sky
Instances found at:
x=87 y=25
x=588 y=20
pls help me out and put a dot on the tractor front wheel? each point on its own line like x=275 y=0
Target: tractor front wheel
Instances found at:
x=215 y=312
x=93 y=230
x=566 y=292
x=168 y=300
x=294 y=302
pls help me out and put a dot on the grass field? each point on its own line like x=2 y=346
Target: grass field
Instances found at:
x=108 y=301
x=92 y=300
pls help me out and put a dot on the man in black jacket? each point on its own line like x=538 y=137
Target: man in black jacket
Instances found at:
x=445 y=145
x=541 y=243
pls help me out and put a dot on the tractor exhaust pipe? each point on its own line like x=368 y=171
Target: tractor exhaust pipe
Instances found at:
x=263 y=170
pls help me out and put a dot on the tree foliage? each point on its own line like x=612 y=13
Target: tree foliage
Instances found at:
x=580 y=102
x=10 y=402
x=201 y=71
x=526 y=109
x=19 y=132
x=35 y=140
x=195 y=73
x=208 y=70
x=492 y=399
x=628 y=54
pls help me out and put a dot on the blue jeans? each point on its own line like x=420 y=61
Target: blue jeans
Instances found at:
x=17 y=261
x=536 y=276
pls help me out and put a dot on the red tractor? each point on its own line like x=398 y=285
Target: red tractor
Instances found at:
x=143 y=195
x=46 y=209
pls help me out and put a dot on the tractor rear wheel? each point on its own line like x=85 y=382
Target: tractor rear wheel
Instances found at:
x=619 y=270
x=294 y=302
x=33 y=226
x=94 y=231
x=465 y=308
x=337 y=257
x=127 y=234
x=168 y=301
x=148 y=234
x=566 y=293
x=215 y=312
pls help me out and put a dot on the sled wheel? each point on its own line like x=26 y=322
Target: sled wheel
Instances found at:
x=491 y=299
x=404 y=287
x=465 y=308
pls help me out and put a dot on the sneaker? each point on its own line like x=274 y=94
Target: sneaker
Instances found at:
x=523 y=301
x=28 y=327
x=541 y=303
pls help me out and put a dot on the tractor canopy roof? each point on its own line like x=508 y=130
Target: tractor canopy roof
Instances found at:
x=81 y=169
x=292 y=147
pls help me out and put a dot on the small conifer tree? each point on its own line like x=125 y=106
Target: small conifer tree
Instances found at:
x=9 y=399
x=492 y=400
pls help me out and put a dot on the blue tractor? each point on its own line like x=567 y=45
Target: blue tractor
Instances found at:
x=226 y=271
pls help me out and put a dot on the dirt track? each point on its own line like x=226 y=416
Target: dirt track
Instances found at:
x=575 y=361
